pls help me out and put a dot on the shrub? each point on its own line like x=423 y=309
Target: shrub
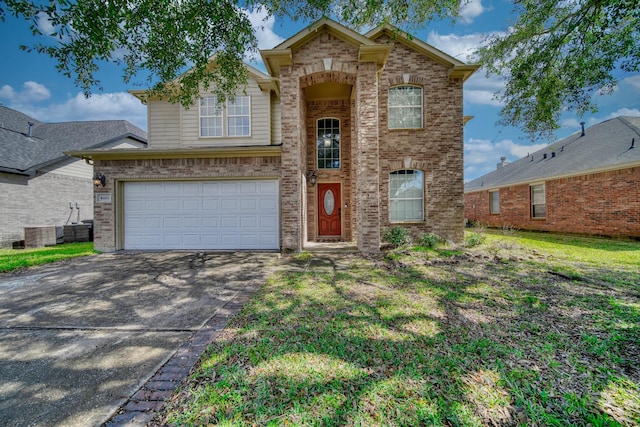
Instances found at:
x=429 y=240
x=396 y=236
x=474 y=239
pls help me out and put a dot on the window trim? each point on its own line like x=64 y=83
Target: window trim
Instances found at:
x=532 y=205
x=493 y=211
x=390 y=107
x=225 y=118
x=339 y=143
x=422 y=198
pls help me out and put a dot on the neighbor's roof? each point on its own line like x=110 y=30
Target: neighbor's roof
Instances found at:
x=605 y=146
x=21 y=154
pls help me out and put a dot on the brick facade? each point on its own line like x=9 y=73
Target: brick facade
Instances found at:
x=436 y=150
x=332 y=72
x=107 y=215
x=606 y=203
x=28 y=203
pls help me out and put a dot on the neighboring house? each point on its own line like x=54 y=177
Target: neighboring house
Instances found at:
x=587 y=183
x=345 y=135
x=39 y=184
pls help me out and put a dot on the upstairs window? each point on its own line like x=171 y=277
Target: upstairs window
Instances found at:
x=328 y=143
x=538 y=201
x=405 y=107
x=494 y=202
x=228 y=119
x=406 y=196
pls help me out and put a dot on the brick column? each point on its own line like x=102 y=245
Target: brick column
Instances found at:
x=291 y=176
x=368 y=168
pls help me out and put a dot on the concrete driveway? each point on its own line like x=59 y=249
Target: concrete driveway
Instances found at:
x=79 y=338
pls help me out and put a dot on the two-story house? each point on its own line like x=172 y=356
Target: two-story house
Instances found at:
x=344 y=135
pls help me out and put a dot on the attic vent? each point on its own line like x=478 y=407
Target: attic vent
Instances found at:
x=582 y=124
x=633 y=143
x=503 y=162
x=544 y=156
x=30 y=129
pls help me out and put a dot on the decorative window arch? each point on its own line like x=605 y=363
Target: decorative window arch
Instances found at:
x=328 y=143
x=406 y=195
x=405 y=107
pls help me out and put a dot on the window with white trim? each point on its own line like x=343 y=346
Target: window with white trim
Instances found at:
x=231 y=119
x=406 y=195
x=405 y=107
x=538 y=201
x=494 y=202
x=328 y=143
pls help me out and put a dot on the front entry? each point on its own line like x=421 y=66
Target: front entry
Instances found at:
x=329 y=212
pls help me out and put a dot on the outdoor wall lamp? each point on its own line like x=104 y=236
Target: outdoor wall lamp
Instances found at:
x=311 y=177
x=98 y=179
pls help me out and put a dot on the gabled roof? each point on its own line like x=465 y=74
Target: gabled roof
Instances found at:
x=369 y=50
x=282 y=54
x=604 y=147
x=458 y=69
x=23 y=154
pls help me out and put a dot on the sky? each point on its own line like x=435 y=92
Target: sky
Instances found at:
x=30 y=83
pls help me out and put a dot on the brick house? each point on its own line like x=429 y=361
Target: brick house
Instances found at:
x=344 y=135
x=39 y=184
x=587 y=183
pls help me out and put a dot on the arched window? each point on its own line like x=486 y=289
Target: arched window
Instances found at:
x=405 y=107
x=328 y=143
x=406 y=195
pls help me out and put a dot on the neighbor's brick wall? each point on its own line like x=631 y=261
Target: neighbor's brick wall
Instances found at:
x=105 y=236
x=28 y=203
x=437 y=149
x=605 y=203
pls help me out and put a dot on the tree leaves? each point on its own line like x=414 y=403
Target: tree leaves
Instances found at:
x=558 y=54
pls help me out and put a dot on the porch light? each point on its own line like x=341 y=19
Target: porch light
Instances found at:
x=311 y=177
x=98 y=179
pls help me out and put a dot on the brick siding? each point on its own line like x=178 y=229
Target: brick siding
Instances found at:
x=106 y=214
x=28 y=203
x=606 y=203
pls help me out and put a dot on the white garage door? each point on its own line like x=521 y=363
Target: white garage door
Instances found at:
x=201 y=215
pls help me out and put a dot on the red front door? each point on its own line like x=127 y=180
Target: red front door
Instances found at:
x=329 y=223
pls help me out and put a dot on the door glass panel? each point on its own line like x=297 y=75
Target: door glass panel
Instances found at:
x=329 y=202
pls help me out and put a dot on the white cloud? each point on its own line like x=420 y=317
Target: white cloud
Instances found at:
x=482 y=155
x=263 y=26
x=483 y=97
x=470 y=10
x=460 y=47
x=633 y=81
x=31 y=92
x=105 y=106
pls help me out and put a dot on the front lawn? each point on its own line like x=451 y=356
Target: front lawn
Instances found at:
x=521 y=330
x=13 y=259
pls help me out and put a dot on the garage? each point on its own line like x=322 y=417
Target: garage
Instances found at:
x=216 y=215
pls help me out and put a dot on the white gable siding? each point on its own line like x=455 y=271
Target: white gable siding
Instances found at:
x=276 y=120
x=164 y=124
x=260 y=122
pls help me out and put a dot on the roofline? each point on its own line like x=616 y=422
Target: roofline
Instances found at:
x=179 y=153
x=332 y=26
x=35 y=168
x=618 y=166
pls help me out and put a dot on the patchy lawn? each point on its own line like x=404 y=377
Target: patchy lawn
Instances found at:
x=13 y=259
x=525 y=329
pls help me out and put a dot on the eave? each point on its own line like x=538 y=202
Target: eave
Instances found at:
x=179 y=153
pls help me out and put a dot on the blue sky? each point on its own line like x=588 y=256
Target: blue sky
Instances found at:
x=30 y=83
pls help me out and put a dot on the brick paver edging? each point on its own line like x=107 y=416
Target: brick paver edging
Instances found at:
x=144 y=404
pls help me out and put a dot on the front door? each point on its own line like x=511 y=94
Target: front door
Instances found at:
x=329 y=222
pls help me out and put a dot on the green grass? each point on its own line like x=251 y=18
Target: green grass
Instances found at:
x=487 y=335
x=12 y=259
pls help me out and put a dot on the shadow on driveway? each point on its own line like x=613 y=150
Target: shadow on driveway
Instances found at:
x=78 y=338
